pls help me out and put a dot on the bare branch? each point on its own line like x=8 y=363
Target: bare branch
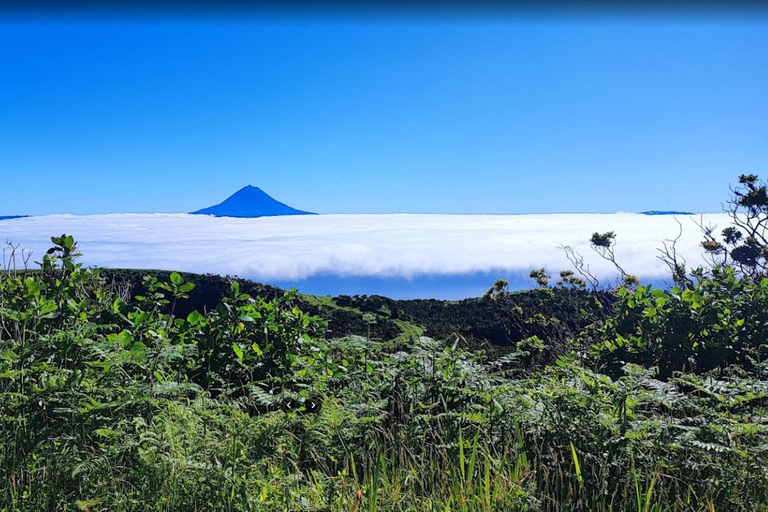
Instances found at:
x=577 y=260
x=675 y=262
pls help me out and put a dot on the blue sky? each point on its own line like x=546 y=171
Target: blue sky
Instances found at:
x=380 y=114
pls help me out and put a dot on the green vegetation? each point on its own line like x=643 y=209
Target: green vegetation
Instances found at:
x=175 y=392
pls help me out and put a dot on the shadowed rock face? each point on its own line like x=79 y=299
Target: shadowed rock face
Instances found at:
x=250 y=202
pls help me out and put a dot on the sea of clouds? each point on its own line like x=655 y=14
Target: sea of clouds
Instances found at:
x=397 y=246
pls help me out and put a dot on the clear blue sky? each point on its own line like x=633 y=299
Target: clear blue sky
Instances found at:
x=380 y=114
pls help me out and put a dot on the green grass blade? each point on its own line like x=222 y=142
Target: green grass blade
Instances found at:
x=576 y=463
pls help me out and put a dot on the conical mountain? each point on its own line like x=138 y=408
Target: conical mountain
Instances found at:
x=250 y=202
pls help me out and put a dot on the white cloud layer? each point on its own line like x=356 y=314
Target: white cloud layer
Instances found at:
x=398 y=245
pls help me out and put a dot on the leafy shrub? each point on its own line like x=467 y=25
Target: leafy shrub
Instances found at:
x=720 y=319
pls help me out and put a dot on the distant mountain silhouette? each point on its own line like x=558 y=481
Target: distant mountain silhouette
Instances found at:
x=250 y=202
x=9 y=217
x=664 y=212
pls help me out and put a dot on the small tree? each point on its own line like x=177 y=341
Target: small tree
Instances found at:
x=745 y=244
x=540 y=276
x=604 y=244
x=568 y=278
x=500 y=287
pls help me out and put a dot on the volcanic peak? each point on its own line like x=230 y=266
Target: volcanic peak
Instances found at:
x=249 y=202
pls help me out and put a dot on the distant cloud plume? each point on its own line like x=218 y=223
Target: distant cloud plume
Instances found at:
x=400 y=245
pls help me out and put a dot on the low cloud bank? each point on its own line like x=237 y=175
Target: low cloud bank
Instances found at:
x=293 y=248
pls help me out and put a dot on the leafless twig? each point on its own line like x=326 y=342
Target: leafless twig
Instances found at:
x=674 y=261
x=577 y=260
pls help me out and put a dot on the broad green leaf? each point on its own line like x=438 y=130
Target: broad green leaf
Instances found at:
x=238 y=351
x=187 y=287
x=138 y=347
x=195 y=318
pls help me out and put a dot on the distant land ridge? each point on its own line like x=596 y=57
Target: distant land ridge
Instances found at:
x=9 y=217
x=249 y=202
x=665 y=212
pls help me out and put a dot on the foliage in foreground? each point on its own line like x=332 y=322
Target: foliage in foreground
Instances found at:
x=113 y=405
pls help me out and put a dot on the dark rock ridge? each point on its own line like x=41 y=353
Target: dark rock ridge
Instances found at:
x=249 y=202
x=663 y=212
x=9 y=217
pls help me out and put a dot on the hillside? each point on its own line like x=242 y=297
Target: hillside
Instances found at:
x=487 y=323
